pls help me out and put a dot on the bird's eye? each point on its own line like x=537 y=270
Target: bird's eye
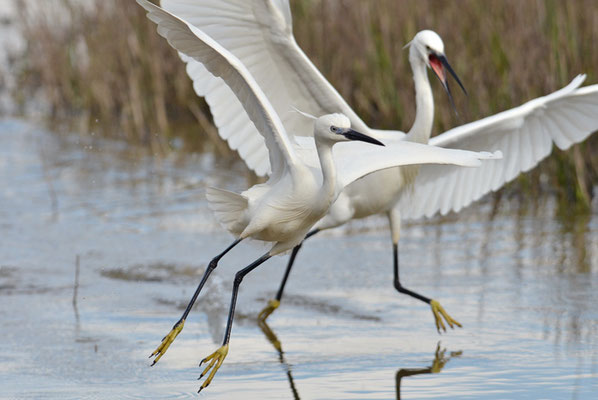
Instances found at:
x=428 y=48
x=333 y=128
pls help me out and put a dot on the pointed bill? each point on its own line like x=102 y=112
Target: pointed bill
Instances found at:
x=440 y=65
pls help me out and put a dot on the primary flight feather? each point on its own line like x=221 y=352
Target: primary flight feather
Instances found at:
x=303 y=182
x=259 y=32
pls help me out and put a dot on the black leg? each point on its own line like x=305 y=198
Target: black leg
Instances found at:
x=237 y=282
x=288 y=271
x=437 y=310
x=217 y=357
x=394 y=219
x=397 y=281
x=178 y=327
x=274 y=303
x=291 y=262
x=211 y=267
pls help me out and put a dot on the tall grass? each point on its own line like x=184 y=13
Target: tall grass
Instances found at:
x=109 y=67
x=104 y=67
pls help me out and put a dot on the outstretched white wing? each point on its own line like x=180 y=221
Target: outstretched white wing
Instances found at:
x=259 y=33
x=354 y=159
x=524 y=134
x=194 y=43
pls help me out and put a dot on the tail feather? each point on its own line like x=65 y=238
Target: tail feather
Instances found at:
x=228 y=207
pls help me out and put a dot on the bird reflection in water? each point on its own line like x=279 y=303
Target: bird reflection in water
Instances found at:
x=272 y=338
x=440 y=359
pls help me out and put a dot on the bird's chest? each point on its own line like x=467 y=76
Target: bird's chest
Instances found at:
x=293 y=212
x=375 y=193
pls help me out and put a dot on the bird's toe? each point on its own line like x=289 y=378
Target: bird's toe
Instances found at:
x=167 y=341
x=440 y=315
x=215 y=359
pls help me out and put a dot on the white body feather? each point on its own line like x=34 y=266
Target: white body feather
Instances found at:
x=259 y=33
x=303 y=181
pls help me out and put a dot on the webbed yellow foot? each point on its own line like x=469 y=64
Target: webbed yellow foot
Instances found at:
x=167 y=341
x=439 y=313
x=269 y=309
x=217 y=358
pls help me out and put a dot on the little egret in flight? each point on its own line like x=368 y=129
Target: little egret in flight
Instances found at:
x=259 y=33
x=303 y=180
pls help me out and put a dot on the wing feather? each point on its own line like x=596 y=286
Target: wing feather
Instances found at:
x=194 y=43
x=463 y=188
x=452 y=188
x=524 y=134
x=357 y=159
x=259 y=33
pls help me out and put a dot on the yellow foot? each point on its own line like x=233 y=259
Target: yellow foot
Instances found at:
x=217 y=358
x=439 y=313
x=167 y=341
x=269 y=309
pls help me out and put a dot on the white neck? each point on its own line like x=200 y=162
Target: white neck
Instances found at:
x=328 y=170
x=424 y=101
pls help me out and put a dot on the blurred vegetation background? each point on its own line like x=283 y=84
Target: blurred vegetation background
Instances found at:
x=99 y=65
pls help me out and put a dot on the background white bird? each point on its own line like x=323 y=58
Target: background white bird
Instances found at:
x=303 y=181
x=259 y=32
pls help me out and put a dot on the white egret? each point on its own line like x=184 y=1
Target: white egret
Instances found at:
x=303 y=181
x=259 y=33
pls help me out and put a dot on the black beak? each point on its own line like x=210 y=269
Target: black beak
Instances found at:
x=442 y=59
x=448 y=67
x=354 y=135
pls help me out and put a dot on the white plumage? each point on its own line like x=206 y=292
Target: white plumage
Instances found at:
x=288 y=160
x=303 y=180
x=525 y=134
x=259 y=33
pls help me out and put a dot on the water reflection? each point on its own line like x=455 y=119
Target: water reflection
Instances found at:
x=522 y=280
x=575 y=229
x=440 y=360
x=273 y=339
x=75 y=293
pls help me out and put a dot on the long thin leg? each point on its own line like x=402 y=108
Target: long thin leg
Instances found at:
x=178 y=327
x=218 y=356
x=288 y=271
x=274 y=303
x=211 y=267
x=291 y=262
x=437 y=310
x=397 y=281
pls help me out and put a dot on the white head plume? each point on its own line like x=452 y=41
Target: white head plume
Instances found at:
x=306 y=115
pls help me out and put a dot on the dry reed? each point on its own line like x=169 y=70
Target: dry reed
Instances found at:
x=109 y=67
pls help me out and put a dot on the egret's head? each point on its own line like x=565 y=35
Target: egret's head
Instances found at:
x=427 y=43
x=334 y=128
x=428 y=47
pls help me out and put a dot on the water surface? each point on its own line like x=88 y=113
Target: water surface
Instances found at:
x=522 y=283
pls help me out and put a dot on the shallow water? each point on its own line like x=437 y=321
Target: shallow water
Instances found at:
x=522 y=283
